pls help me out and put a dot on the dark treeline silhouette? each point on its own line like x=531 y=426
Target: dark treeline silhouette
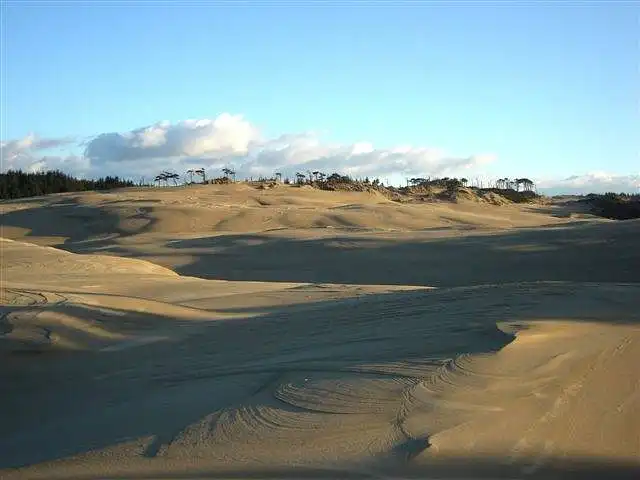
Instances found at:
x=617 y=206
x=17 y=184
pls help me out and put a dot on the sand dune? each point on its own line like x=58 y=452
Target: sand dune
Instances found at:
x=229 y=332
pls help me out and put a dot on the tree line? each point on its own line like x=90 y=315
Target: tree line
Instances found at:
x=617 y=206
x=320 y=179
x=18 y=184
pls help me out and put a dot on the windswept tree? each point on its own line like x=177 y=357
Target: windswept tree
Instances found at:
x=278 y=176
x=417 y=181
x=229 y=173
x=526 y=183
x=166 y=175
x=161 y=177
x=201 y=172
x=190 y=172
x=506 y=184
x=300 y=178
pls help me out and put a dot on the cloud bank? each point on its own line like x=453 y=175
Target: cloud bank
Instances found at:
x=233 y=142
x=230 y=141
x=594 y=182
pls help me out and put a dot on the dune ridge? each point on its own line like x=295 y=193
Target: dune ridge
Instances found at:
x=224 y=331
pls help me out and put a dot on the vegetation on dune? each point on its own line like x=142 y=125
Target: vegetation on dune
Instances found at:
x=17 y=184
x=503 y=190
x=617 y=206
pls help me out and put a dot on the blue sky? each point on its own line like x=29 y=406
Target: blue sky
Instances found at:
x=552 y=90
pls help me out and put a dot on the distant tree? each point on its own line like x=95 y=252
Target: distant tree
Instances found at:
x=528 y=184
x=201 y=172
x=161 y=177
x=300 y=178
x=337 y=178
x=228 y=172
x=516 y=183
x=278 y=176
x=166 y=176
x=505 y=184
x=18 y=184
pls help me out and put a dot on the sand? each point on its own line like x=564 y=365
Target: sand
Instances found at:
x=229 y=332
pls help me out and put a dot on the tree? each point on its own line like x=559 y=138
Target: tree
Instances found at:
x=228 y=172
x=190 y=173
x=166 y=175
x=17 y=184
x=528 y=184
x=278 y=176
x=161 y=177
x=201 y=172
x=525 y=182
x=300 y=178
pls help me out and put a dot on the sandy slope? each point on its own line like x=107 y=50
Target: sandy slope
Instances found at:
x=303 y=338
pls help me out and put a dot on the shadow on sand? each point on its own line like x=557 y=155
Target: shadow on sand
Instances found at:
x=582 y=252
x=156 y=391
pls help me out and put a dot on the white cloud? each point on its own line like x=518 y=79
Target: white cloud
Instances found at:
x=226 y=135
x=23 y=153
x=31 y=143
x=230 y=140
x=593 y=182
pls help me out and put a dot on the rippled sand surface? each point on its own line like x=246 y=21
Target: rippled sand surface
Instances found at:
x=229 y=332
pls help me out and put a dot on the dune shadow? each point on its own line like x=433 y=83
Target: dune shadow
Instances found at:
x=80 y=227
x=580 y=252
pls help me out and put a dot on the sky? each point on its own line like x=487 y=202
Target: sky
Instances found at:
x=394 y=89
